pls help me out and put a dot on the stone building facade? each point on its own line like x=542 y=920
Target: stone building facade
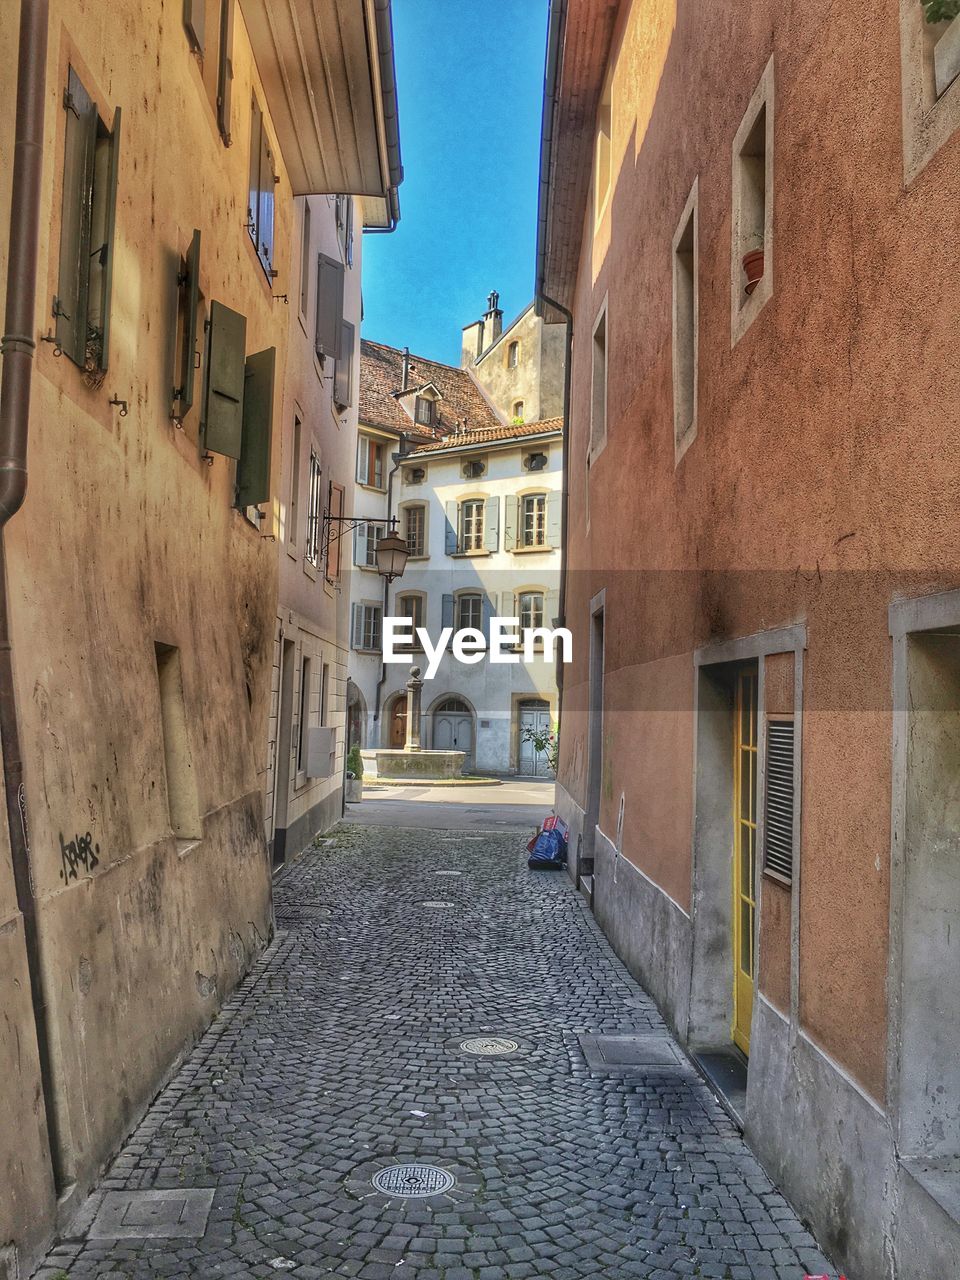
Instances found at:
x=759 y=727
x=474 y=485
x=143 y=568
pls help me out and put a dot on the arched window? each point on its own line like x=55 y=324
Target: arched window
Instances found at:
x=518 y=409
x=530 y=609
x=513 y=355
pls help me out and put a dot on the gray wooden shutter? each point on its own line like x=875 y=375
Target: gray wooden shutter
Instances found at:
x=329 y=306
x=778 y=824
x=359 y=539
x=343 y=375
x=194 y=12
x=70 y=305
x=109 y=249
x=190 y=302
x=491 y=524
x=265 y=228
x=446 y=612
x=226 y=368
x=488 y=608
x=253 y=469
x=225 y=69
x=508 y=604
x=450 y=532
x=253 y=182
x=551 y=608
x=553 y=520
x=510 y=511
x=356 y=627
x=348 y=239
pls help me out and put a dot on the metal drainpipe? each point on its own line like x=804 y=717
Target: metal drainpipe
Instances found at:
x=386 y=585
x=564 y=482
x=17 y=347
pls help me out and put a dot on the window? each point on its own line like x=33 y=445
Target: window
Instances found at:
x=469 y=612
x=305 y=259
x=295 y=483
x=474 y=469
x=518 y=410
x=415 y=475
x=344 y=216
x=367 y=536
x=370 y=462
x=930 y=68
x=685 y=313
x=314 y=512
x=335 y=510
x=261 y=197
x=367 y=627
x=535 y=462
x=778 y=800
x=415 y=530
x=533 y=520
x=530 y=609
x=425 y=411
x=87 y=232
x=602 y=158
x=182 y=800
x=217 y=70
x=412 y=607
x=304 y=713
x=513 y=355
x=751 y=266
x=470 y=528
x=598 y=404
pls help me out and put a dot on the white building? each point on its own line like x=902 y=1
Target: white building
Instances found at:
x=477 y=493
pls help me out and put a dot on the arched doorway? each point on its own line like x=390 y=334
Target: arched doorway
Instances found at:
x=453 y=729
x=398 y=722
x=534 y=717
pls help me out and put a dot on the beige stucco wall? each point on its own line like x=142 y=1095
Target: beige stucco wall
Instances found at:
x=128 y=538
x=538 y=378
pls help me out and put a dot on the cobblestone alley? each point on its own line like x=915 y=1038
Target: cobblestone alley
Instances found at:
x=342 y=1057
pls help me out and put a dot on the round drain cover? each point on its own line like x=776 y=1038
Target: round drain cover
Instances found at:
x=489 y=1046
x=414 y=1180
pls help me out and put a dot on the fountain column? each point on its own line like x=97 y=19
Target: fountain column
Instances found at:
x=414 y=692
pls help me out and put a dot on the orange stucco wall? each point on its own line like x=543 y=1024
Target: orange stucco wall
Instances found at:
x=822 y=482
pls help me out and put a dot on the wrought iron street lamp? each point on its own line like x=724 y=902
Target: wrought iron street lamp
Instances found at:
x=390 y=551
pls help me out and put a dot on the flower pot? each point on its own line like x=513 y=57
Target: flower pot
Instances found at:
x=753 y=266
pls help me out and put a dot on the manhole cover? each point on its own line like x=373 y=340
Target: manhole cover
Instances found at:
x=436 y=904
x=414 y=1181
x=490 y=1046
x=449 y=873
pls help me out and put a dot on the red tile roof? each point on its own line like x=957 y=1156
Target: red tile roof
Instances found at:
x=466 y=439
x=381 y=379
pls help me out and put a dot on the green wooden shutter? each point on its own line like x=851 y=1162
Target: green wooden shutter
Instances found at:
x=189 y=283
x=253 y=182
x=265 y=230
x=329 y=306
x=343 y=375
x=253 y=468
x=225 y=69
x=109 y=249
x=491 y=524
x=553 y=519
x=74 y=275
x=194 y=14
x=511 y=505
x=226 y=367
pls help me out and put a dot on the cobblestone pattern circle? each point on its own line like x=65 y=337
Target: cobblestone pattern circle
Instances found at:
x=413 y=1181
x=335 y=1060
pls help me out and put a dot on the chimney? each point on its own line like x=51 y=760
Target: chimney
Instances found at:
x=406 y=369
x=492 y=320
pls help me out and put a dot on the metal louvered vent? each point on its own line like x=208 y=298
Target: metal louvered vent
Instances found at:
x=778 y=830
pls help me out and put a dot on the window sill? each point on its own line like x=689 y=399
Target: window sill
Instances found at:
x=310 y=569
x=469 y=555
x=186 y=847
x=526 y=551
x=373 y=653
x=414 y=559
x=373 y=488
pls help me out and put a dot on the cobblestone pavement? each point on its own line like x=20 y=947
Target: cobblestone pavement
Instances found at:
x=340 y=1056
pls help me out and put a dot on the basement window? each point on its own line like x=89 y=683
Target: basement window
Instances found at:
x=685 y=321
x=182 y=802
x=87 y=232
x=752 y=222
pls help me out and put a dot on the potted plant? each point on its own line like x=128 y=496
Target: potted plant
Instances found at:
x=354 y=775
x=753 y=261
x=941 y=10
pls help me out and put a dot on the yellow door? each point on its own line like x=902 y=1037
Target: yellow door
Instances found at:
x=744 y=856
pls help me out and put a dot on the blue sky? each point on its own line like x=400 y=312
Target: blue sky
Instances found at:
x=470 y=85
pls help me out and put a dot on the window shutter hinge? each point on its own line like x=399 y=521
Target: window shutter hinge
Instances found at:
x=69 y=104
x=58 y=308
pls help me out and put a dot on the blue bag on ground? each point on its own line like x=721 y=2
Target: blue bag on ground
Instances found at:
x=549 y=852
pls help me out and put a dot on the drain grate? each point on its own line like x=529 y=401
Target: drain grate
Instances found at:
x=490 y=1046
x=437 y=904
x=414 y=1181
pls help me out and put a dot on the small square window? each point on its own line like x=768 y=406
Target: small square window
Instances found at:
x=751 y=265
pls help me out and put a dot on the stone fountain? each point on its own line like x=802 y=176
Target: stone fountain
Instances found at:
x=413 y=761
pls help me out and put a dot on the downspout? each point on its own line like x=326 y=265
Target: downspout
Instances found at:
x=383 y=22
x=17 y=347
x=386 y=585
x=556 y=22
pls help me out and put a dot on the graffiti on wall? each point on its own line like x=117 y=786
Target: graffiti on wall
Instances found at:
x=80 y=852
